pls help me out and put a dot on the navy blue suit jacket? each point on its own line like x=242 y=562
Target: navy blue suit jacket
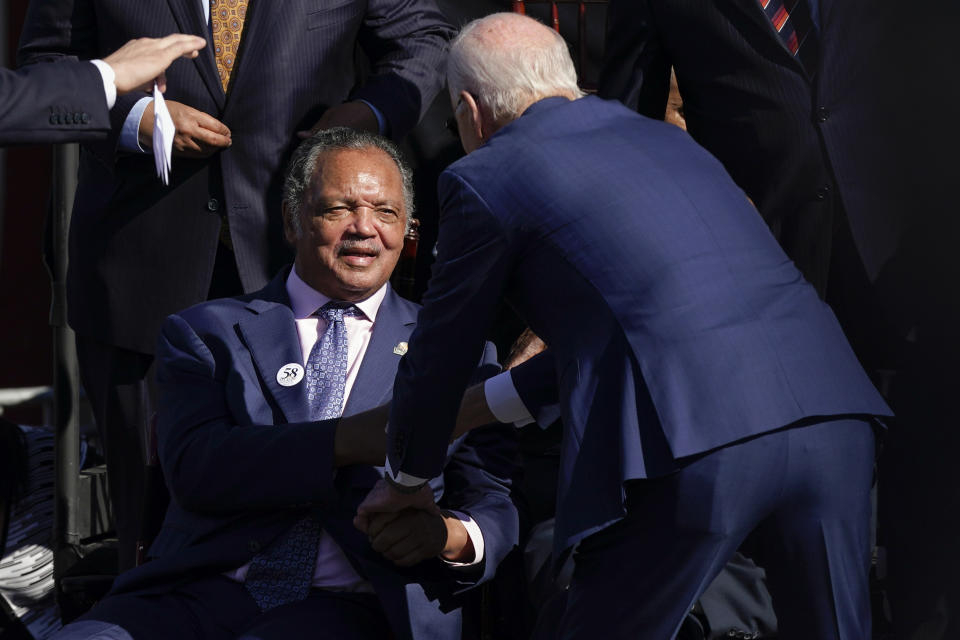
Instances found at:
x=45 y=104
x=676 y=323
x=129 y=231
x=243 y=462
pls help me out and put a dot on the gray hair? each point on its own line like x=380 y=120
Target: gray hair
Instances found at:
x=505 y=74
x=304 y=163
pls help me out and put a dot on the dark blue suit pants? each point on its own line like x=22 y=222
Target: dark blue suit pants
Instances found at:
x=800 y=499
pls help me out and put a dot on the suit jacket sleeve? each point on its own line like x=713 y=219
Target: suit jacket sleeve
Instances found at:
x=52 y=104
x=469 y=276
x=636 y=68
x=536 y=382
x=210 y=463
x=477 y=480
x=406 y=42
x=64 y=31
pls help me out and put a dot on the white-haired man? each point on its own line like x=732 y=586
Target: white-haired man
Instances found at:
x=707 y=393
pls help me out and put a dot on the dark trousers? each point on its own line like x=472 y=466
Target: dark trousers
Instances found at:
x=799 y=498
x=217 y=608
x=920 y=494
x=906 y=322
x=119 y=386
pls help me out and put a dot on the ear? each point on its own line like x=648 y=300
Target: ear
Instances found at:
x=475 y=117
x=289 y=230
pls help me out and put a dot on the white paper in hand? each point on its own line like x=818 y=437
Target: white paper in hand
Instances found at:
x=163 y=132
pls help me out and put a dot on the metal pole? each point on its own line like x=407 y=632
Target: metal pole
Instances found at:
x=66 y=400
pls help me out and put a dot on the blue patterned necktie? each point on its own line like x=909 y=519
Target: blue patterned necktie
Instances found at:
x=284 y=571
x=327 y=365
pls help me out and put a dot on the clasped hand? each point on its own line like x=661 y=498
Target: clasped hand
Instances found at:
x=410 y=528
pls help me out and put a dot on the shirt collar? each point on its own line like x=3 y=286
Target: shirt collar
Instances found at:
x=305 y=300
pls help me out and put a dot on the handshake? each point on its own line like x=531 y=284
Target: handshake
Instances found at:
x=406 y=528
x=412 y=534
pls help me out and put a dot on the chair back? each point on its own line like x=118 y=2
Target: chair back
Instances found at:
x=404 y=276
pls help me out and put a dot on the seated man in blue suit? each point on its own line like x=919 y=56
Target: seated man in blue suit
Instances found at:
x=258 y=540
x=708 y=395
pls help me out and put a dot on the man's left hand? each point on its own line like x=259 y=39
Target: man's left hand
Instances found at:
x=355 y=114
x=413 y=535
x=407 y=537
x=383 y=498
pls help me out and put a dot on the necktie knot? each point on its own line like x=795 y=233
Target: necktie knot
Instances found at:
x=336 y=311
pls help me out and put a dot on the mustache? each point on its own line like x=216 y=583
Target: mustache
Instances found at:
x=366 y=247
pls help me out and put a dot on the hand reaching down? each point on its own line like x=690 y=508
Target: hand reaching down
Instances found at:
x=354 y=114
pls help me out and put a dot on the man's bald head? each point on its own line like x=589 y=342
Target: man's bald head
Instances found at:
x=507 y=61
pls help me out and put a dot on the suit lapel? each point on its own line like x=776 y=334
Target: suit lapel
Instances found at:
x=374 y=383
x=189 y=17
x=270 y=333
x=261 y=16
x=847 y=55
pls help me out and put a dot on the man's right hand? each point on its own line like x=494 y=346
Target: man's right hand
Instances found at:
x=139 y=62
x=198 y=135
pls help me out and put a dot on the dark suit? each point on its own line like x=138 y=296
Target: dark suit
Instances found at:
x=680 y=333
x=803 y=143
x=44 y=104
x=854 y=178
x=130 y=234
x=243 y=462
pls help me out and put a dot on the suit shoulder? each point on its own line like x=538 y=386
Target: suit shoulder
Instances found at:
x=220 y=315
x=405 y=310
x=213 y=308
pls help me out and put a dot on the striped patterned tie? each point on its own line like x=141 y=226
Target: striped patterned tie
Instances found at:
x=791 y=19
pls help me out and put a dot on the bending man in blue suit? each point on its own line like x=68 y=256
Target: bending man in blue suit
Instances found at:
x=258 y=540
x=708 y=396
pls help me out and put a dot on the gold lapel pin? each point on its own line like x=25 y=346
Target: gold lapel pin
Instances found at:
x=400 y=349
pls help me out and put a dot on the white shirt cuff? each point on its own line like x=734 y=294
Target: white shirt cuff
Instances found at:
x=504 y=402
x=476 y=537
x=400 y=477
x=130 y=134
x=381 y=121
x=109 y=82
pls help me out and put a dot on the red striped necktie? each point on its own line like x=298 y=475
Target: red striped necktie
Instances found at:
x=791 y=20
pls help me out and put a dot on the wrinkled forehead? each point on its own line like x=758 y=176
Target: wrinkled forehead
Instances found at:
x=339 y=171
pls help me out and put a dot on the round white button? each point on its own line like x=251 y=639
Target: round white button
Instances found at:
x=290 y=374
